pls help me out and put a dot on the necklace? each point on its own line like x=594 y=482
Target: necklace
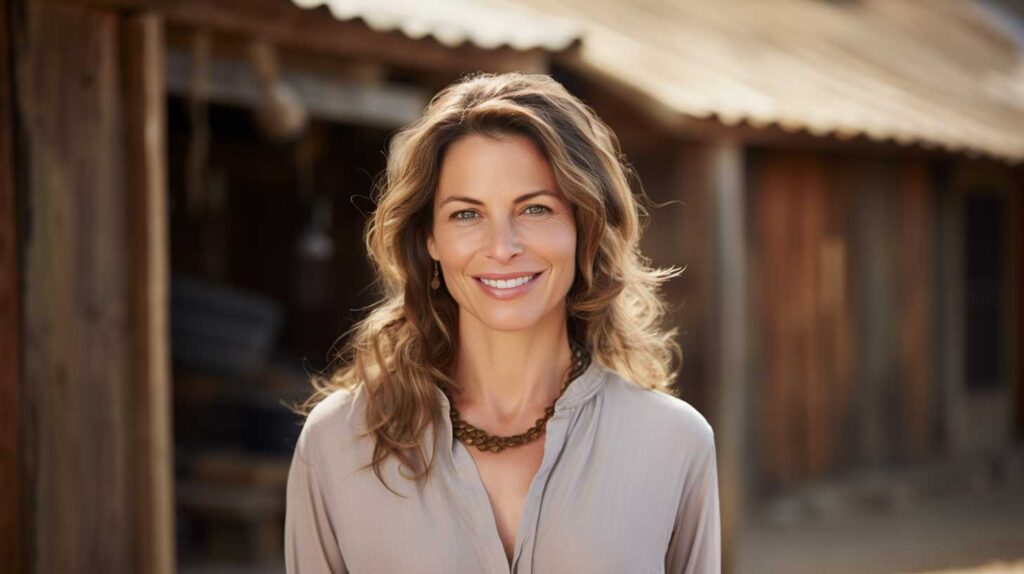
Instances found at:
x=472 y=436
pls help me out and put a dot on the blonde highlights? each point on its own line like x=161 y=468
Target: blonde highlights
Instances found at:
x=404 y=349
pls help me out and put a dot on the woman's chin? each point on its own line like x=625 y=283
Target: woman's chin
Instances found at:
x=508 y=320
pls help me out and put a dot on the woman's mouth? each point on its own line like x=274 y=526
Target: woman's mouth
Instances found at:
x=508 y=288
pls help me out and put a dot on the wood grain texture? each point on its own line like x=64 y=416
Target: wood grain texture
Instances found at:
x=804 y=316
x=77 y=327
x=13 y=487
x=916 y=273
x=142 y=43
x=287 y=26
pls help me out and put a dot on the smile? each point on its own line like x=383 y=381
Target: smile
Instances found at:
x=508 y=284
x=508 y=288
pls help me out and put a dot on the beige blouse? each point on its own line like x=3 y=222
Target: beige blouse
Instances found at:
x=628 y=484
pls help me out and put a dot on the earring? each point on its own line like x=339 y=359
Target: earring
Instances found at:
x=435 y=282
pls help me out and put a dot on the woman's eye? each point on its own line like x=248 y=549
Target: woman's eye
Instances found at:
x=543 y=209
x=456 y=215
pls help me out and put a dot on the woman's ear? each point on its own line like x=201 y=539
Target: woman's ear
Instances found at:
x=432 y=248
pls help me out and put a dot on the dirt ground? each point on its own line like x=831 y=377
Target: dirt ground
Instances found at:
x=979 y=531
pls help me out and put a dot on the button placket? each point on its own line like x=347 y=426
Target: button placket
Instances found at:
x=554 y=441
x=489 y=547
x=472 y=495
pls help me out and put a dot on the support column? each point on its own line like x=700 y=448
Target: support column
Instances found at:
x=142 y=42
x=730 y=326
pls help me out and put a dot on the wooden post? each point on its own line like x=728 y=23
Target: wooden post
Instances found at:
x=950 y=321
x=726 y=163
x=875 y=242
x=13 y=487
x=142 y=44
x=77 y=326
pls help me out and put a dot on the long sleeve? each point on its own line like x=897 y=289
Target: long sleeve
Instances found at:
x=695 y=546
x=310 y=546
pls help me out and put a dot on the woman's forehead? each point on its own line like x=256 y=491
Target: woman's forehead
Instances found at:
x=494 y=168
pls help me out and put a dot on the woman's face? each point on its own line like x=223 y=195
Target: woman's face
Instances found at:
x=499 y=215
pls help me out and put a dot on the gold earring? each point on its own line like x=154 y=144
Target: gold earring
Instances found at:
x=435 y=282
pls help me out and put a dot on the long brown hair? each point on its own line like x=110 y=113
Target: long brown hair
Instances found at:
x=406 y=345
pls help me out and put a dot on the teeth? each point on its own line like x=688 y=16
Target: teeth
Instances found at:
x=502 y=284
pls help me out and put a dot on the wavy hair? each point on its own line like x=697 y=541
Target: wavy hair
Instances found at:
x=406 y=345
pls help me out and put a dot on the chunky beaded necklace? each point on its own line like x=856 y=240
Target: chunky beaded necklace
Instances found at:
x=472 y=436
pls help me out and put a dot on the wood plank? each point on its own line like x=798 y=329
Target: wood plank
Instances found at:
x=915 y=323
x=696 y=289
x=804 y=315
x=76 y=314
x=286 y=25
x=838 y=311
x=817 y=385
x=142 y=44
x=951 y=319
x=878 y=398
x=14 y=488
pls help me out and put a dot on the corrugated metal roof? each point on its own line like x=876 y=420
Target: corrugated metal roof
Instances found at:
x=937 y=73
x=487 y=24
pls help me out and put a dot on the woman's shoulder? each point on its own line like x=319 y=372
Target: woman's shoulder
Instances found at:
x=337 y=420
x=658 y=408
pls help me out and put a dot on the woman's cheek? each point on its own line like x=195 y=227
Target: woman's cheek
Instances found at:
x=458 y=240
x=561 y=233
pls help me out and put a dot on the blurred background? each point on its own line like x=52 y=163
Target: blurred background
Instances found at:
x=184 y=186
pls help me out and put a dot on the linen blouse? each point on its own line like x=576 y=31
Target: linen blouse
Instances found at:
x=628 y=484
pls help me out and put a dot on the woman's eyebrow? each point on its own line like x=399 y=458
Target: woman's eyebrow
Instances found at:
x=526 y=196
x=519 y=199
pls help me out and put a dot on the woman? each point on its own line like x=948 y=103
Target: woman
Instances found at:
x=518 y=344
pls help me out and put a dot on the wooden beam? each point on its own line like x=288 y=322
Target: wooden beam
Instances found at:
x=76 y=313
x=14 y=488
x=284 y=24
x=234 y=82
x=142 y=47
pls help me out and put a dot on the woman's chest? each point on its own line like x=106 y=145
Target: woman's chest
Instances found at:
x=583 y=514
x=507 y=476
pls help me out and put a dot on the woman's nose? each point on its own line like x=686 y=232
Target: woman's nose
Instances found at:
x=503 y=241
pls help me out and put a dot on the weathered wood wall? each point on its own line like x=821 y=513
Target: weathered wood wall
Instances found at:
x=845 y=295
x=804 y=314
x=77 y=330
x=914 y=312
x=872 y=185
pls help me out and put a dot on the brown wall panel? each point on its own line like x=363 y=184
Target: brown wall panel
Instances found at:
x=77 y=328
x=915 y=320
x=804 y=316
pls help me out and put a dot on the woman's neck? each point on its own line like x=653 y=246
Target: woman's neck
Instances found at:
x=506 y=378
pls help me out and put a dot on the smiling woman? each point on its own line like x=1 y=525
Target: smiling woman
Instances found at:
x=518 y=343
x=511 y=247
